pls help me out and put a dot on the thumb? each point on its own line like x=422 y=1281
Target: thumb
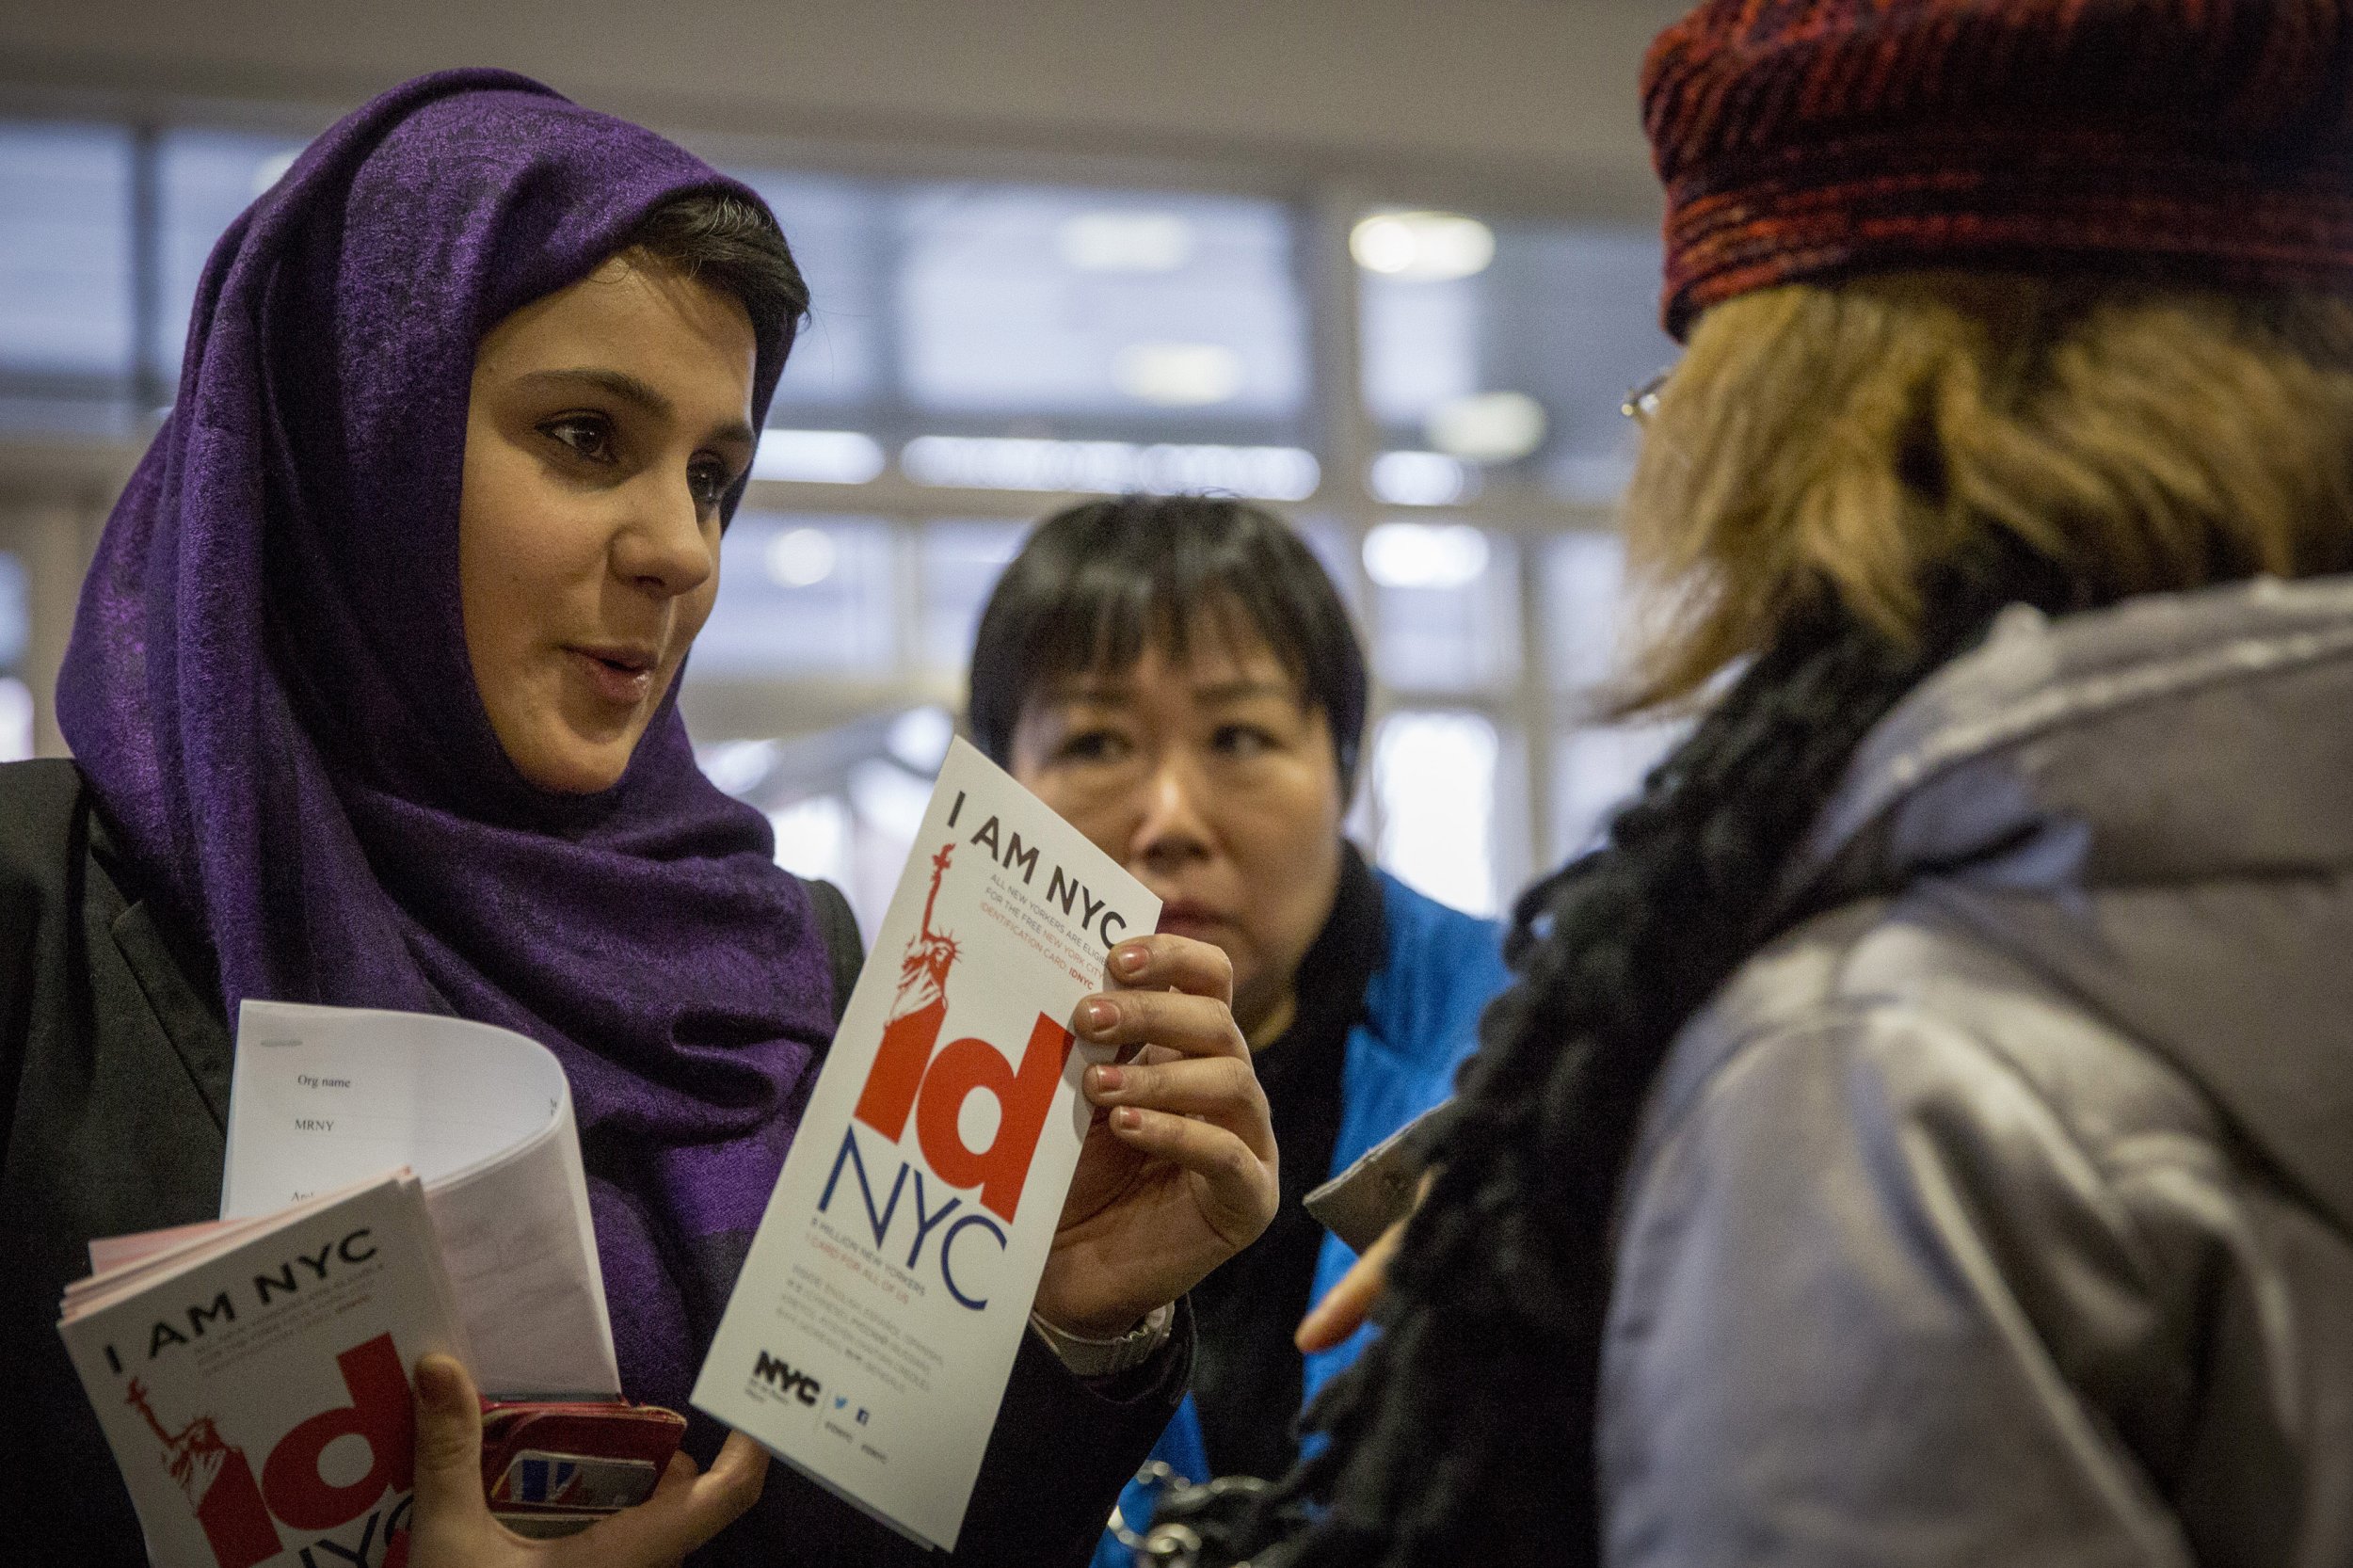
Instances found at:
x=448 y=1445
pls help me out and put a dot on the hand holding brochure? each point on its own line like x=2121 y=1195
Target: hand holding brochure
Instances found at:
x=875 y=1322
x=209 y=1351
x=253 y=1379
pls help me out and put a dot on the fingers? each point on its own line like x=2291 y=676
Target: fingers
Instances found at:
x=686 y=1510
x=1240 y=1180
x=1345 y=1308
x=1224 y=1089
x=1164 y=963
x=449 y=1446
x=1197 y=1026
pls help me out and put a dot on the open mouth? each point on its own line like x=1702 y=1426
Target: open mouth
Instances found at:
x=620 y=675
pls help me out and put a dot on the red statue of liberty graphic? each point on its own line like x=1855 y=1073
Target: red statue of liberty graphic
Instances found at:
x=904 y=1068
x=220 y=1484
x=917 y=1012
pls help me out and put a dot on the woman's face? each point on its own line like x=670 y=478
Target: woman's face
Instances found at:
x=606 y=422
x=1213 y=781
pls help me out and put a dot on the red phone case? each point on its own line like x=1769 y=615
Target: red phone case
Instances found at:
x=550 y=1467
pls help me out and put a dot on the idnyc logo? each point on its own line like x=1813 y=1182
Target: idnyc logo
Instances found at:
x=778 y=1374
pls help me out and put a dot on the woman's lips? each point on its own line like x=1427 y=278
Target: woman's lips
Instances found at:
x=620 y=675
x=1184 y=918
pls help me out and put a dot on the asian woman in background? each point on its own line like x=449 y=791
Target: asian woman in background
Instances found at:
x=1178 y=677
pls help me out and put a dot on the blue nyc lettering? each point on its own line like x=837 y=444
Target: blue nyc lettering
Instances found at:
x=926 y=1220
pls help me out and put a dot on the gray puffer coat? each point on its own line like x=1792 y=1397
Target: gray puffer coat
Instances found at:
x=2004 y=1214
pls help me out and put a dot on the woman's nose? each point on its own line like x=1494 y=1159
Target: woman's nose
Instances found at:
x=663 y=547
x=1173 y=824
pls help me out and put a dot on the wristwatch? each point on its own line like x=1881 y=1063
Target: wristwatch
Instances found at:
x=1102 y=1359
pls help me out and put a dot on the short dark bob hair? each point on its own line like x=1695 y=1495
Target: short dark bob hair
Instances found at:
x=1094 y=582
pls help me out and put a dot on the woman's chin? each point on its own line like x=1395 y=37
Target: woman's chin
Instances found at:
x=573 y=764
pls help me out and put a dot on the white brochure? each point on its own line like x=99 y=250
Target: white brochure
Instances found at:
x=871 y=1335
x=324 y=1097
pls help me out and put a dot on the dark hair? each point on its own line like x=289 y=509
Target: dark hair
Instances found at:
x=719 y=238
x=1465 y=1433
x=1096 y=581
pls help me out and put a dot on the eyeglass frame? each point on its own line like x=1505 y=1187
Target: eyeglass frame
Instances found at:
x=1641 y=399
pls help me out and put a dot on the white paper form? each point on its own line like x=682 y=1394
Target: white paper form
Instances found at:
x=322 y=1096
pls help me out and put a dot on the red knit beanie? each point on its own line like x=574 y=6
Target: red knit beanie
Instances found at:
x=2205 y=140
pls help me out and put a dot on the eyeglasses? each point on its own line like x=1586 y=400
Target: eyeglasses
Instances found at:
x=1642 y=401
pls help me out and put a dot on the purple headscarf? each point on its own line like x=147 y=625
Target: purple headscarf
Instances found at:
x=268 y=688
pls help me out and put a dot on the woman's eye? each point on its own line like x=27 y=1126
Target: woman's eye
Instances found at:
x=1242 y=739
x=588 y=436
x=1091 y=745
x=710 y=482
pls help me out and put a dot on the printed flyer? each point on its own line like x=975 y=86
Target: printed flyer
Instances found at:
x=874 y=1325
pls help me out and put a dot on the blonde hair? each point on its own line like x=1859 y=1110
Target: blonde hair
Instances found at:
x=1853 y=440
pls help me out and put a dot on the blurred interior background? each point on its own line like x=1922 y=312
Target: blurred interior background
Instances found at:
x=1389 y=266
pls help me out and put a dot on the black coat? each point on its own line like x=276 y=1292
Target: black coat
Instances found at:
x=114 y=1099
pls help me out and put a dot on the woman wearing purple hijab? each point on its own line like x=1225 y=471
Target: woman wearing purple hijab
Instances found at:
x=371 y=694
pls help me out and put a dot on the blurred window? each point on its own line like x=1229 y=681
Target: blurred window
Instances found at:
x=66 y=298
x=1099 y=308
x=801 y=596
x=961 y=563
x=837 y=229
x=1584 y=588
x=1446 y=607
x=1435 y=776
x=205 y=179
x=1504 y=346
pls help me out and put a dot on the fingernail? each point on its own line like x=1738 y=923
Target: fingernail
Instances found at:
x=1128 y=1117
x=1107 y=1080
x=1096 y=1015
x=1129 y=960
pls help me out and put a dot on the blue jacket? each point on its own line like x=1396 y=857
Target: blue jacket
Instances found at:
x=1440 y=969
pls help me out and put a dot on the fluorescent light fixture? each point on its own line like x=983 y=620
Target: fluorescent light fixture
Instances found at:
x=1125 y=242
x=1422 y=248
x=1425 y=555
x=1418 y=479
x=800 y=558
x=817 y=457
x=1178 y=374
x=1109 y=467
x=1487 y=427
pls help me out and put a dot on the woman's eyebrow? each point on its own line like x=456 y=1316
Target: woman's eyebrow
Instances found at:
x=634 y=390
x=1243 y=689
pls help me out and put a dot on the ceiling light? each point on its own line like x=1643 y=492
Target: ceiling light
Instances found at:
x=1425 y=555
x=1422 y=248
x=1178 y=374
x=817 y=457
x=1487 y=427
x=1125 y=242
x=1418 y=479
x=1108 y=468
x=800 y=558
